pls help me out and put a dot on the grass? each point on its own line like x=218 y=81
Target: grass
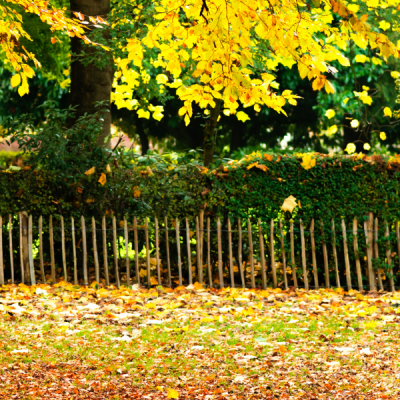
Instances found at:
x=227 y=349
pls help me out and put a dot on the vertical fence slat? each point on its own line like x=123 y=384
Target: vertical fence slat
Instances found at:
x=356 y=254
x=314 y=256
x=189 y=252
x=283 y=255
x=84 y=247
x=368 y=244
x=21 y=250
x=157 y=251
x=376 y=249
x=325 y=254
x=64 y=261
x=398 y=240
x=1 y=253
x=335 y=258
x=240 y=249
x=52 y=260
x=30 y=251
x=11 y=247
x=167 y=247
x=210 y=277
x=73 y=248
x=41 y=249
x=250 y=237
x=146 y=234
x=272 y=251
x=105 y=259
x=114 y=228
x=346 y=256
x=303 y=255
x=292 y=256
x=389 y=257
x=126 y=239
x=230 y=254
x=220 y=266
x=136 y=244
x=178 y=248
x=201 y=221
x=200 y=279
x=95 y=254
x=262 y=255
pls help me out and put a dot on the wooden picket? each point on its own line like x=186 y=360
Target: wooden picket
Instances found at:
x=227 y=261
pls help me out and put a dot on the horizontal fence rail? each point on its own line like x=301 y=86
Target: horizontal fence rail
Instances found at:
x=212 y=251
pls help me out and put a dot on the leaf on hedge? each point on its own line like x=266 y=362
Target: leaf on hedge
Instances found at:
x=308 y=162
x=90 y=171
x=355 y=168
x=289 y=204
x=136 y=192
x=102 y=180
x=108 y=168
x=252 y=165
x=262 y=167
x=268 y=157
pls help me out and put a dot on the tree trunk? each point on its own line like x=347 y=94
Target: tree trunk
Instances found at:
x=209 y=133
x=91 y=83
x=144 y=140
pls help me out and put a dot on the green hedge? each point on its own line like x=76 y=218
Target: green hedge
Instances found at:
x=335 y=187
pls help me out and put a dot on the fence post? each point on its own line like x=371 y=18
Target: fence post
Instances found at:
x=41 y=249
x=314 y=257
x=292 y=255
x=220 y=265
x=11 y=247
x=368 y=242
x=126 y=239
x=240 y=248
x=146 y=234
x=84 y=245
x=201 y=241
x=250 y=237
x=325 y=253
x=21 y=249
x=356 y=255
x=63 y=249
x=303 y=255
x=376 y=249
x=389 y=257
x=53 y=264
x=189 y=252
x=178 y=248
x=346 y=256
x=95 y=255
x=157 y=251
x=230 y=254
x=30 y=253
x=167 y=247
x=73 y=248
x=105 y=259
x=209 y=252
x=262 y=255
x=114 y=228
x=136 y=242
x=272 y=250
x=1 y=253
x=283 y=254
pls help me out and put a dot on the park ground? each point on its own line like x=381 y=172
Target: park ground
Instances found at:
x=71 y=342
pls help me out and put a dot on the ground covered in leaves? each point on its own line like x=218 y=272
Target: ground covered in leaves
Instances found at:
x=71 y=342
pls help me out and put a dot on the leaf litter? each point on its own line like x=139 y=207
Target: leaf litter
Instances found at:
x=71 y=342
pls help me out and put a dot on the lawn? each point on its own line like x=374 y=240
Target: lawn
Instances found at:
x=70 y=342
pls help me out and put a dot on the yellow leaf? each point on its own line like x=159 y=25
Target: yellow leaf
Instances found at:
x=262 y=167
x=382 y=135
x=366 y=146
x=370 y=325
x=153 y=281
x=136 y=192
x=395 y=74
x=143 y=114
x=350 y=148
x=252 y=165
x=332 y=130
x=198 y=286
x=90 y=171
x=172 y=394
x=330 y=113
x=102 y=180
x=308 y=162
x=387 y=112
x=23 y=89
x=162 y=79
x=384 y=25
x=108 y=168
x=142 y=272
x=346 y=100
x=242 y=116
x=15 y=80
x=361 y=58
x=329 y=88
x=289 y=204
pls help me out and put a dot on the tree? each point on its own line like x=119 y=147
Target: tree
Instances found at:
x=224 y=53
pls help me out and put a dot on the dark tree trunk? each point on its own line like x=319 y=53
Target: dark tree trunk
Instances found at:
x=91 y=83
x=144 y=140
x=209 y=133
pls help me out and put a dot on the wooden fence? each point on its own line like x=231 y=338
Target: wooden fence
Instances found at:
x=207 y=250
